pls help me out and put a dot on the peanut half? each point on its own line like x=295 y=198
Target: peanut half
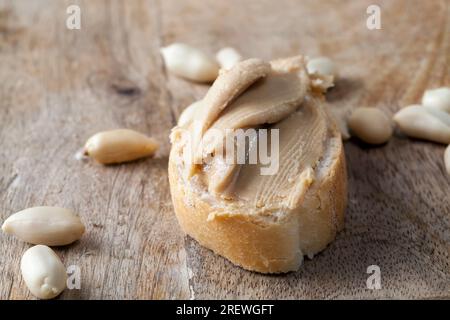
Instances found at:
x=424 y=123
x=228 y=57
x=43 y=272
x=321 y=66
x=437 y=98
x=121 y=145
x=190 y=63
x=51 y=226
x=370 y=125
x=447 y=159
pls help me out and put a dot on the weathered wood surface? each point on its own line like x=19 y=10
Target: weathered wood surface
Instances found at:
x=59 y=86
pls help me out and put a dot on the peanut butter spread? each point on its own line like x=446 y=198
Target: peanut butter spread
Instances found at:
x=278 y=102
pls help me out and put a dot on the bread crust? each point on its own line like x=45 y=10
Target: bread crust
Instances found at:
x=267 y=245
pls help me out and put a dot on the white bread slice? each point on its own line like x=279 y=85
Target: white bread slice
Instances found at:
x=274 y=236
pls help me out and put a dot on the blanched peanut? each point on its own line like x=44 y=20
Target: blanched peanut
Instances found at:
x=424 y=123
x=190 y=63
x=121 y=145
x=370 y=125
x=228 y=57
x=188 y=114
x=51 y=226
x=43 y=272
x=322 y=66
x=447 y=159
x=437 y=99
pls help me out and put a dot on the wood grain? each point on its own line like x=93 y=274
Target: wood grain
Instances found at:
x=59 y=86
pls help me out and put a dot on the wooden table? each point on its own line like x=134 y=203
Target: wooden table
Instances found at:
x=59 y=86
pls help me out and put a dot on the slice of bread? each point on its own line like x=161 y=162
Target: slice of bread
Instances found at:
x=268 y=223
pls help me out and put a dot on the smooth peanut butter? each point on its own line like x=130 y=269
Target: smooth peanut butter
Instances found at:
x=257 y=95
x=302 y=144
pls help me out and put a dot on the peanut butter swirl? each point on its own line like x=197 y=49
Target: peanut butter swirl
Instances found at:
x=256 y=94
